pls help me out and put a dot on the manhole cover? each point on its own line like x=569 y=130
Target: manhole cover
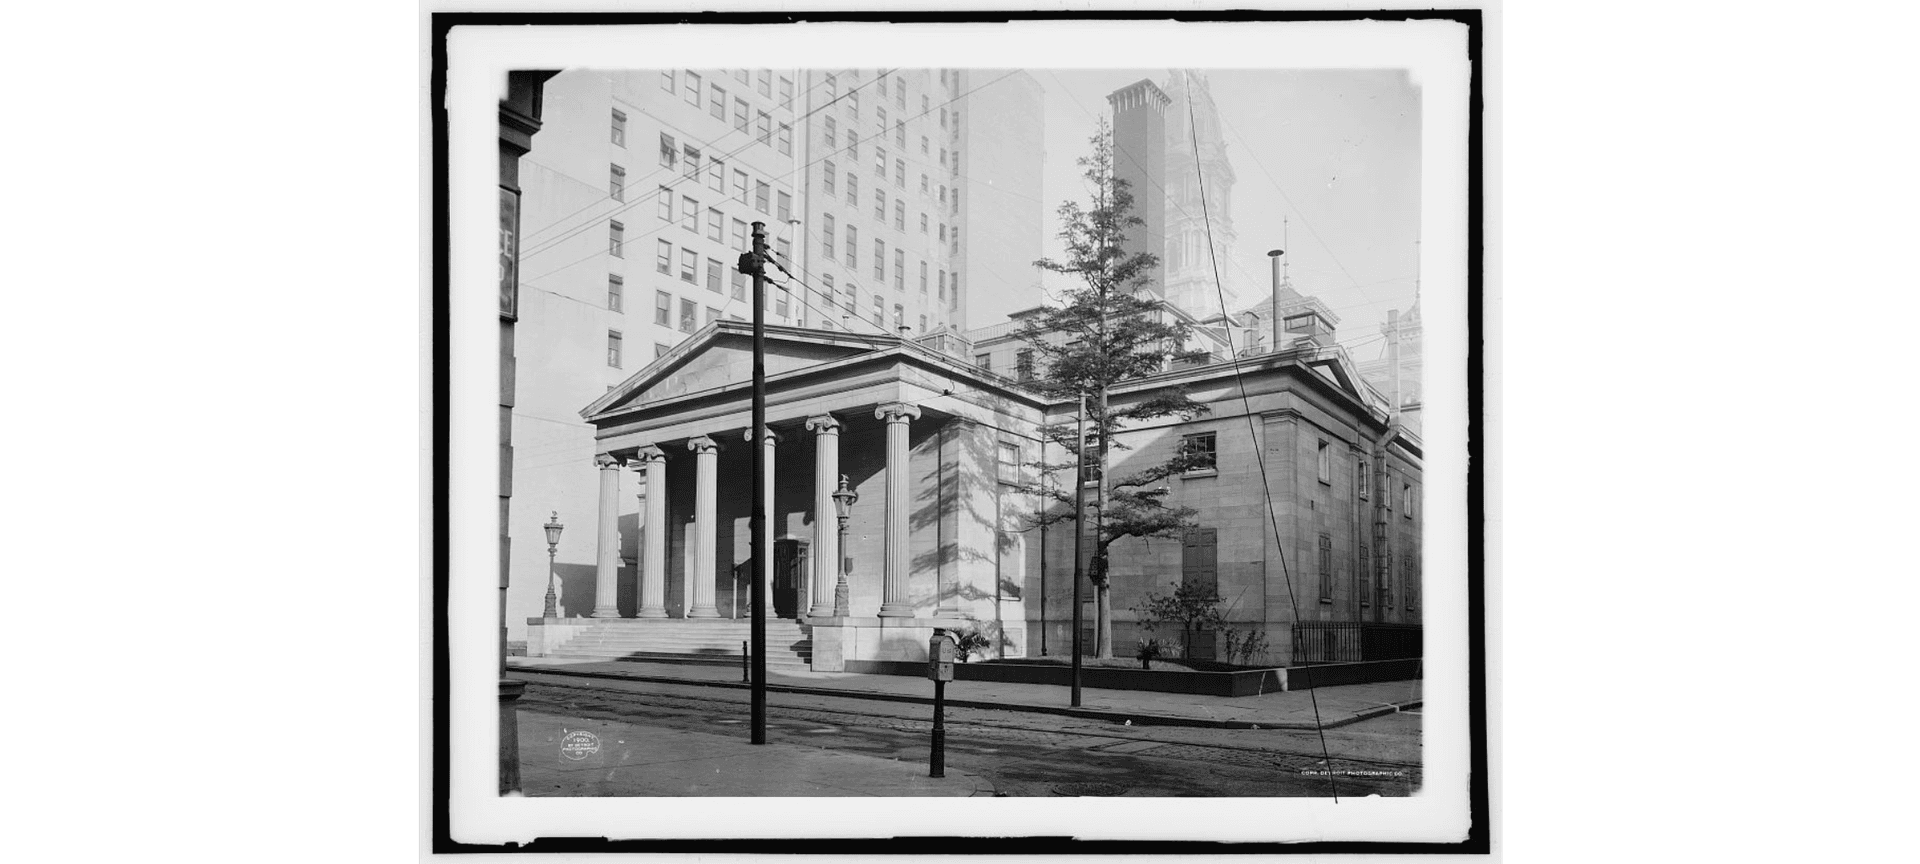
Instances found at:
x=1090 y=790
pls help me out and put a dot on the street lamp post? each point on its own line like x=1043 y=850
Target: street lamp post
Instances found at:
x=554 y=528
x=843 y=501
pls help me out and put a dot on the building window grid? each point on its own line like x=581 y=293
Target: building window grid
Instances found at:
x=616 y=239
x=689 y=316
x=616 y=292
x=689 y=261
x=663 y=260
x=1326 y=567
x=613 y=348
x=617 y=182
x=663 y=308
x=619 y=128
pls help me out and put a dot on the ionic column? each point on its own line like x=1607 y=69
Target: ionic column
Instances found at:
x=700 y=581
x=606 y=574
x=768 y=443
x=653 y=509
x=894 y=601
x=826 y=515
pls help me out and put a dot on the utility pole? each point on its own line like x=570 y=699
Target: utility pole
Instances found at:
x=1079 y=535
x=754 y=263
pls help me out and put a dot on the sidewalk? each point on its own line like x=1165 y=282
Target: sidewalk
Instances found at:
x=581 y=757
x=1334 y=706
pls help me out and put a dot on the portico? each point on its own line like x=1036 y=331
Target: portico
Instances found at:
x=914 y=432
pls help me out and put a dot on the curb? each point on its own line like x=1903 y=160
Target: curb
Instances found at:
x=1137 y=719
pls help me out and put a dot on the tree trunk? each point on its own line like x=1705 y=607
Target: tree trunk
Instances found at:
x=1103 y=615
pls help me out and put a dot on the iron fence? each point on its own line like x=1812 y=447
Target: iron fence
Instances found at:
x=1354 y=641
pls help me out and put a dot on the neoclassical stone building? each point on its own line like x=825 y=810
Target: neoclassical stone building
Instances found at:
x=1306 y=455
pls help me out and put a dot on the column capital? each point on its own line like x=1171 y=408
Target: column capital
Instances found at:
x=897 y=412
x=646 y=455
x=604 y=461
x=823 y=423
x=702 y=444
x=747 y=434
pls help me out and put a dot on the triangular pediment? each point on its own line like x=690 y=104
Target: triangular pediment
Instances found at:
x=722 y=354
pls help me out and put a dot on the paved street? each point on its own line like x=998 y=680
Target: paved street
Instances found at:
x=1012 y=753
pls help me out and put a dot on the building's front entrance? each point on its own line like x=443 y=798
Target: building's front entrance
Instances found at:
x=789 y=573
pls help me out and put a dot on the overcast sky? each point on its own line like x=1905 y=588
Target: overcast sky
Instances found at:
x=1336 y=151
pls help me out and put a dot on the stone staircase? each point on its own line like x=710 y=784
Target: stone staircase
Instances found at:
x=789 y=644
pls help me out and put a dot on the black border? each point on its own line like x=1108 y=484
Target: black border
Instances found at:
x=1478 y=840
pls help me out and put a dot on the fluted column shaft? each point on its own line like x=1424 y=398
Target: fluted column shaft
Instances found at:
x=826 y=516
x=606 y=574
x=769 y=443
x=895 y=601
x=653 y=555
x=705 y=521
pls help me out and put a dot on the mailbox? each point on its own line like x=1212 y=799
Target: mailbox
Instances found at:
x=940 y=654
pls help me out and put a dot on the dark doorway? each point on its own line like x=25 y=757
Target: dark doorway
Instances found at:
x=789 y=573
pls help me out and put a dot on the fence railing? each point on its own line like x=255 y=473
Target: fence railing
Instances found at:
x=1354 y=641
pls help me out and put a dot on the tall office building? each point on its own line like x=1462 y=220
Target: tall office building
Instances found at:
x=1190 y=271
x=638 y=198
x=1000 y=170
x=1140 y=141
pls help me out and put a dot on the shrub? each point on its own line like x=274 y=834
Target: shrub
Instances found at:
x=1148 y=652
x=969 y=641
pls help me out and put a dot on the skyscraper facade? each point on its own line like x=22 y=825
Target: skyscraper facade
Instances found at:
x=1139 y=159
x=1194 y=140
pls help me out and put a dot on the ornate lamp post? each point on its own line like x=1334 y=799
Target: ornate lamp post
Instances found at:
x=843 y=500
x=553 y=527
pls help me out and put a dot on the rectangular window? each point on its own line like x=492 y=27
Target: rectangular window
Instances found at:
x=669 y=151
x=880 y=205
x=826 y=290
x=881 y=113
x=766 y=83
x=665 y=197
x=853 y=145
x=880 y=162
x=1360 y=578
x=739 y=235
x=717 y=175
x=881 y=85
x=740 y=116
x=954 y=298
x=689 y=316
x=616 y=183
x=613 y=348
x=761 y=192
x=786 y=140
x=692 y=167
x=740 y=186
x=984 y=361
x=717 y=106
x=666 y=81
x=1406 y=500
x=853 y=189
x=689 y=214
x=943 y=162
x=780 y=305
x=941 y=285
x=899 y=270
x=826 y=176
x=786 y=94
x=1200 y=452
x=663 y=308
x=663 y=260
x=785 y=209
x=924 y=190
x=763 y=127
x=956 y=202
x=943 y=118
x=1365 y=478
x=879 y=311
x=899 y=215
x=713 y=275
x=853 y=247
x=943 y=232
x=826 y=236
x=1009 y=461
x=924 y=143
x=715 y=225
x=739 y=285
x=1326 y=567
x=619 y=128
x=688 y=262
x=923 y=223
x=783 y=249
x=1324 y=459
x=831 y=129
x=899 y=317
x=923 y=278
x=616 y=291
x=693 y=88
x=1023 y=364
x=923 y=323
x=880 y=260
x=900 y=96
x=616 y=239
x=853 y=101
x=900 y=173
x=900 y=134
x=833 y=88
x=712 y=315
x=1200 y=559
